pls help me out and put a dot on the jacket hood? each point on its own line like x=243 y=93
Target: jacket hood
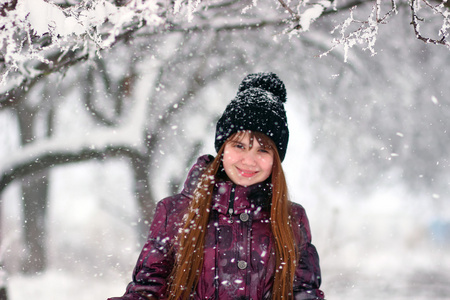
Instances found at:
x=195 y=173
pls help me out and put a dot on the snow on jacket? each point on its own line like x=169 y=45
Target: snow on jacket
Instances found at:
x=239 y=252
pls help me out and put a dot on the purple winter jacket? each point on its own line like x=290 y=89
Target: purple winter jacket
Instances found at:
x=239 y=252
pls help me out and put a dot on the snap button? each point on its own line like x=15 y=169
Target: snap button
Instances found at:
x=242 y=264
x=243 y=217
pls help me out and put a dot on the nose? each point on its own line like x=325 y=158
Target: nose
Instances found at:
x=249 y=159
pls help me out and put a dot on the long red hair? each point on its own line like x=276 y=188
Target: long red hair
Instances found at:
x=191 y=239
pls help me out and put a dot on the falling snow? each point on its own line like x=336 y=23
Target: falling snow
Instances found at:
x=379 y=122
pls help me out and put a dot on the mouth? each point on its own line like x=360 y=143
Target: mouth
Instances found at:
x=246 y=173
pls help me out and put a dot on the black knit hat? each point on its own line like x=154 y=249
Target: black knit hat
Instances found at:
x=258 y=106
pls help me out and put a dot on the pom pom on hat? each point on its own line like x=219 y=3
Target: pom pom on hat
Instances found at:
x=258 y=106
x=266 y=81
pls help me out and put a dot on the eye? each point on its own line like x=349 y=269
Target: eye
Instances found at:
x=239 y=146
x=263 y=150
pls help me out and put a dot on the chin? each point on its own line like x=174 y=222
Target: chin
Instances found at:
x=246 y=182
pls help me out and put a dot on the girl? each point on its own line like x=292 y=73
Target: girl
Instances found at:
x=232 y=233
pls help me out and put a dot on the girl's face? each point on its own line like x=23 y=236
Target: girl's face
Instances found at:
x=246 y=162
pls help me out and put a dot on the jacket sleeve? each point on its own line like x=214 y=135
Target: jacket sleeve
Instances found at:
x=307 y=275
x=154 y=263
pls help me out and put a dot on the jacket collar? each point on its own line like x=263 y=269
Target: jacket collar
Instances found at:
x=256 y=197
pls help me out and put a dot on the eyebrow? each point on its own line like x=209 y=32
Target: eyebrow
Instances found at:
x=262 y=146
x=265 y=147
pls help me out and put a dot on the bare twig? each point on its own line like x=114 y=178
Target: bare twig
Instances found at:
x=294 y=15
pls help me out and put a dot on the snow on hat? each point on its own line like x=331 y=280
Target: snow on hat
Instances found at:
x=258 y=106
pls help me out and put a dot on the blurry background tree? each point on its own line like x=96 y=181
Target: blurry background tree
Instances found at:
x=142 y=71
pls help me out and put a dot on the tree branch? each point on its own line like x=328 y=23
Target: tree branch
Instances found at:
x=416 y=19
x=51 y=159
x=89 y=102
x=58 y=62
x=293 y=14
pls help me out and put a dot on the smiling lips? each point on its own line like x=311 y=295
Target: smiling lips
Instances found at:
x=246 y=173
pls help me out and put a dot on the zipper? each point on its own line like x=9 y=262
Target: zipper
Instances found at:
x=216 y=258
x=231 y=203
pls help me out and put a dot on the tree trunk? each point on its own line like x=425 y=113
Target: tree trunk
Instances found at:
x=34 y=201
x=143 y=194
x=3 y=294
x=34 y=195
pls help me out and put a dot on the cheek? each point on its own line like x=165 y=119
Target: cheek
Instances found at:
x=269 y=168
x=228 y=160
x=266 y=165
x=225 y=164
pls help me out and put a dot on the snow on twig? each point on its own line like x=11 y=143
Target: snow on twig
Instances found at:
x=26 y=36
x=439 y=9
x=365 y=33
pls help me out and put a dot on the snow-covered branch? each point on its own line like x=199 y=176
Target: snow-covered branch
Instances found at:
x=32 y=46
x=441 y=10
x=47 y=160
x=366 y=31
